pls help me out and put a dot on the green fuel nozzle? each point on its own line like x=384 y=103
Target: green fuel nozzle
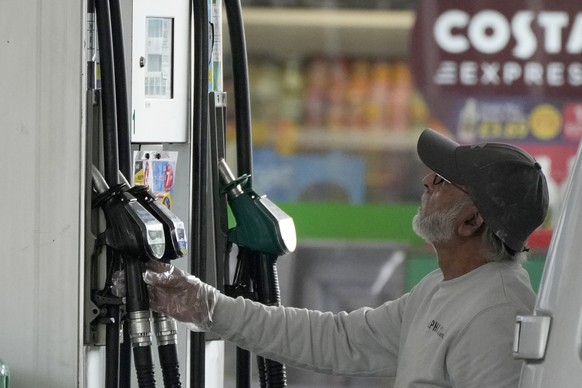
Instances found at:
x=260 y=224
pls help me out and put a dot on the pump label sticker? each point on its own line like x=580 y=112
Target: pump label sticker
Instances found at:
x=156 y=169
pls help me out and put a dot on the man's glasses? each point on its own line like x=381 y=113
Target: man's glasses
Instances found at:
x=438 y=179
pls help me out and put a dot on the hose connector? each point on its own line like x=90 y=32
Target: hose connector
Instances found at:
x=140 y=329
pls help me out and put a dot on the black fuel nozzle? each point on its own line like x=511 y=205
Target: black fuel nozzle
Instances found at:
x=131 y=229
x=176 y=243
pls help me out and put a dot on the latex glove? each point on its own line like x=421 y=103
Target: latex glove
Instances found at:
x=180 y=295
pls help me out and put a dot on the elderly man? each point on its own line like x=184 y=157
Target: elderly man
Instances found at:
x=454 y=329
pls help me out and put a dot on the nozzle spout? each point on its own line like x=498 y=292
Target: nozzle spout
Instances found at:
x=230 y=183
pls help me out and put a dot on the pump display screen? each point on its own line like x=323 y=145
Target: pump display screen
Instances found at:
x=159 y=58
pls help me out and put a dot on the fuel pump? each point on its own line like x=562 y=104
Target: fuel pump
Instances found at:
x=138 y=228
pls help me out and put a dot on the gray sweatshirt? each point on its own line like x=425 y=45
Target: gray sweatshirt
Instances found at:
x=455 y=333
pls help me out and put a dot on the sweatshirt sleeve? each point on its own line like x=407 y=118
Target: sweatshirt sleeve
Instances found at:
x=483 y=355
x=363 y=342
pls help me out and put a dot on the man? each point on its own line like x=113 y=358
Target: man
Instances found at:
x=454 y=329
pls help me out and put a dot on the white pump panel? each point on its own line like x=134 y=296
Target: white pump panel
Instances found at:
x=159 y=71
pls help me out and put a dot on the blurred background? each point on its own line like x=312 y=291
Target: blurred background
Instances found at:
x=340 y=91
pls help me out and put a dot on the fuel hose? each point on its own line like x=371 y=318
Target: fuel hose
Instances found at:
x=199 y=176
x=124 y=152
x=111 y=167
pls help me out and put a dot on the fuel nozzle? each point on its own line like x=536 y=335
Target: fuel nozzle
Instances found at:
x=176 y=243
x=261 y=225
x=131 y=229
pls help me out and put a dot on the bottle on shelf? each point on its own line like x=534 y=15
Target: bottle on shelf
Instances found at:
x=401 y=93
x=378 y=102
x=336 y=118
x=357 y=95
x=266 y=95
x=315 y=101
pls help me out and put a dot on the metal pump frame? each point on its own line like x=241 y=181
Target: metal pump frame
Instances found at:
x=255 y=276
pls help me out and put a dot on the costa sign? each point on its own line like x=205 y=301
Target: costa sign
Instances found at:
x=501 y=70
x=501 y=47
x=489 y=32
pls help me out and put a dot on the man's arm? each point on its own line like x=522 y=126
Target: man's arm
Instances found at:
x=363 y=342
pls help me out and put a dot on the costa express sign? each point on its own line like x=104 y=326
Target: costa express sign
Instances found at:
x=501 y=69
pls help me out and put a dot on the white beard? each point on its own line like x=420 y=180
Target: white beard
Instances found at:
x=438 y=226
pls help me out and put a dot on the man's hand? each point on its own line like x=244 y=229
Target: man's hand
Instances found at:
x=180 y=295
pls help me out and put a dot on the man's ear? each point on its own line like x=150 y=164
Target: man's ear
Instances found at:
x=471 y=224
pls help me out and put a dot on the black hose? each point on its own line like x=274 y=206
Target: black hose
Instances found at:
x=138 y=311
x=109 y=103
x=123 y=125
x=199 y=177
x=112 y=348
x=243 y=139
x=124 y=151
x=243 y=280
x=125 y=356
x=276 y=374
x=266 y=280
x=111 y=168
x=243 y=369
x=273 y=374
x=263 y=374
x=241 y=87
x=167 y=338
x=144 y=366
x=220 y=212
x=170 y=366
x=137 y=293
x=91 y=45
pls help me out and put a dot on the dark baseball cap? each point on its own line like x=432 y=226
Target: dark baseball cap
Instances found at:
x=506 y=183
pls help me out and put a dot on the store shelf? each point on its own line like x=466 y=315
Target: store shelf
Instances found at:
x=355 y=140
x=320 y=45
x=295 y=32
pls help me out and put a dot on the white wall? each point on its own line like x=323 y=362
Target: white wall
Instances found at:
x=42 y=174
